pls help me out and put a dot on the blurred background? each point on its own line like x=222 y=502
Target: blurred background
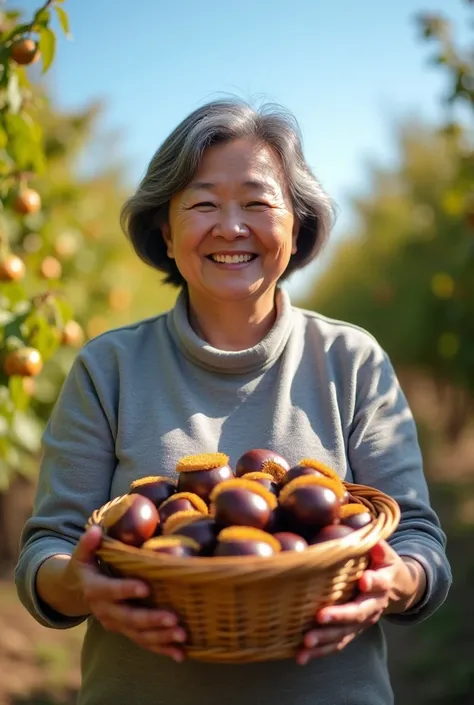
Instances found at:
x=384 y=94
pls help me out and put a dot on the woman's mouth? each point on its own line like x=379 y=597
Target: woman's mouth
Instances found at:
x=232 y=259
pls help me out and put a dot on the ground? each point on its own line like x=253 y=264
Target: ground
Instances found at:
x=38 y=666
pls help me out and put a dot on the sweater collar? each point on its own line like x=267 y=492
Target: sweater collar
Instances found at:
x=256 y=358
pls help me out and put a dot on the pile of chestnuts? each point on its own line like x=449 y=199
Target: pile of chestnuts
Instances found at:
x=262 y=507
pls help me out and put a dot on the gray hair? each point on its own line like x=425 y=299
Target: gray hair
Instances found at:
x=177 y=160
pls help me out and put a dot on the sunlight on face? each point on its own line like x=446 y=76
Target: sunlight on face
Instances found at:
x=232 y=230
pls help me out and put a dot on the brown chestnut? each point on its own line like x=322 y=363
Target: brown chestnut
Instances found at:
x=201 y=473
x=194 y=525
x=329 y=533
x=132 y=519
x=309 y=466
x=310 y=502
x=181 y=546
x=181 y=501
x=246 y=541
x=265 y=479
x=156 y=488
x=291 y=542
x=355 y=515
x=262 y=460
x=241 y=502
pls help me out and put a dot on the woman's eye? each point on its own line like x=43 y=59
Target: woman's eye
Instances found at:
x=204 y=205
x=257 y=204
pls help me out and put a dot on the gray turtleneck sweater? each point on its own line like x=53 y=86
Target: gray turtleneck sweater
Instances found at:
x=139 y=397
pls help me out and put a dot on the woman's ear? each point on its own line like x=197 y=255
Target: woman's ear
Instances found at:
x=294 y=236
x=166 y=233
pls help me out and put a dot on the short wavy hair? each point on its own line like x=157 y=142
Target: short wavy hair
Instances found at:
x=176 y=161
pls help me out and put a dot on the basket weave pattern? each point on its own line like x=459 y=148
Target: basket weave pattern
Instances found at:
x=245 y=609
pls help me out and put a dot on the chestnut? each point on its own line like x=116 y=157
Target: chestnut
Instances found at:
x=181 y=501
x=310 y=502
x=241 y=502
x=309 y=466
x=265 y=479
x=201 y=473
x=291 y=542
x=156 y=488
x=355 y=516
x=194 y=525
x=180 y=546
x=246 y=541
x=262 y=460
x=132 y=520
x=331 y=532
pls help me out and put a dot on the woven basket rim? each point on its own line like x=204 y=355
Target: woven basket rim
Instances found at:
x=321 y=556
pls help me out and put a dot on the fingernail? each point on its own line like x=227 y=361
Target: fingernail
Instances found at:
x=178 y=635
x=168 y=621
x=303 y=659
x=141 y=591
x=325 y=618
x=311 y=640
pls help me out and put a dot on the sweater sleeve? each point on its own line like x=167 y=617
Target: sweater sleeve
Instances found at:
x=384 y=453
x=78 y=461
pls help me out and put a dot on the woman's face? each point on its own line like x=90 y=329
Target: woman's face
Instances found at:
x=232 y=230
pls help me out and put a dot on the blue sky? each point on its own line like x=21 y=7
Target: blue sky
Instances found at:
x=349 y=70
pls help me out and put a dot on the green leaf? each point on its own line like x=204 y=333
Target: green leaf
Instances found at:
x=3 y=138
x=13 y=94
x=42 y=335
x=24 y=142
x=63 y=20
x=27 y=431
x=17 y=392
x=47 y=45
x=42 y=18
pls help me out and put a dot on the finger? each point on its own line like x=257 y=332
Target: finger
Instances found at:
x=98 y=588
x=134 y=619
x=382 y=554
x=356 y=612
x=376 y=580
x=327 y=635
x=88 y=544
x=158 y=637
x=306 y=655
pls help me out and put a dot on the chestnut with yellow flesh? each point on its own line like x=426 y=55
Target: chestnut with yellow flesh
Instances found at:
x=132 y=520
x=194 y=525
x=201 y=473
x=181 y=501
x=241 y=502
x=310 y=502
x=246 y=541
x=355 y=516
x=264 y=479
x=180 y=546
x=156 y=488
x=262 y=460
x=290 y=541
x=330 y=533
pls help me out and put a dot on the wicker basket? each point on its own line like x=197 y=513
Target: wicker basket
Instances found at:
x=243 y=609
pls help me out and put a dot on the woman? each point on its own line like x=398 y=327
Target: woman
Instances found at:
x=228 y=208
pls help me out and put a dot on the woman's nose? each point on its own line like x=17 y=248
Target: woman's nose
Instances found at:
x=230 y=226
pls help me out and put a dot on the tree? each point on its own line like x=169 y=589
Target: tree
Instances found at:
x=66 y=271
x=407 y=274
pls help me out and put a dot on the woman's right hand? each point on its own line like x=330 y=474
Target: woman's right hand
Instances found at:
x=153 y=629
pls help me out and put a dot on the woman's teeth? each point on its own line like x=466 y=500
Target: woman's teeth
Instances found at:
x=232 y=259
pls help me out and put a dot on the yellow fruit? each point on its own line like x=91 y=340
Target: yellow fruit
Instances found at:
x=73 y=335
x=50 y=268
x=27 y=202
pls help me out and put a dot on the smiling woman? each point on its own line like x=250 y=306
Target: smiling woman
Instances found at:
x=227 y=209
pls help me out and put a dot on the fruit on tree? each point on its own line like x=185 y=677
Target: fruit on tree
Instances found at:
x=12 y=268
x=28 y=201
x=25 y=51
x=50 y=268
x=73 y=335
x=24 y=362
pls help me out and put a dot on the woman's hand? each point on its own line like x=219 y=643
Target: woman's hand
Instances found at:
x=391 y=584
x=153 y=629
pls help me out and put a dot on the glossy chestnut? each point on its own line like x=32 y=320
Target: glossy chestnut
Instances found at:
x=156 y=488
x=262 y=460
x=246 y=541
x=241 y=502
x=179 y=502
x=309 y=503
x=201 y=473
x=194 y=525
x=355 y=516
x=180 y=546
x=329 y=533
x=290 y=541
x=132 y=520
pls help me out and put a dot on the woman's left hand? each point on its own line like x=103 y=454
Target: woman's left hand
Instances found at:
x=391 y=584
